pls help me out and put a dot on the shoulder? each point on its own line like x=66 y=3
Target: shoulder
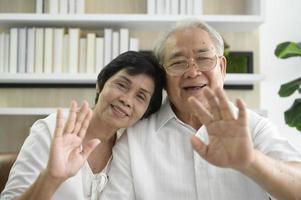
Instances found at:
x=258 y=123
x=254 y=120
x=46 y=125
x=144 y=125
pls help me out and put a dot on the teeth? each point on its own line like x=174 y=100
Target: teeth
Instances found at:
x=194 y=87
x=119 y=111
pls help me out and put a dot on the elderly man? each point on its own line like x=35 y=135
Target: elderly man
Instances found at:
x=235 y=153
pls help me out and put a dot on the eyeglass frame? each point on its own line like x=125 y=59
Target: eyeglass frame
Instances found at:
x=187 y=66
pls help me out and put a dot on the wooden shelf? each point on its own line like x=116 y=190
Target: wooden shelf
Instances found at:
x=14 y=111
x=27 y=111
x=132 y=21
x=48 y=78
x=243 y=79
x=231 y=79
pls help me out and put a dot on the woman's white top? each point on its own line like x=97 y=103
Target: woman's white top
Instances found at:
x=33 y=158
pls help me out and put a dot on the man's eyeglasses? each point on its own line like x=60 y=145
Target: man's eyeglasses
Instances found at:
x=179 y=66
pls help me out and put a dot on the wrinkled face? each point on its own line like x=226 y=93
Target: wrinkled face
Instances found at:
x=189 y=44
x=124 y=99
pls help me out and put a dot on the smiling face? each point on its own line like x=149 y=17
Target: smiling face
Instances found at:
x=124 y=99
x=189 y=43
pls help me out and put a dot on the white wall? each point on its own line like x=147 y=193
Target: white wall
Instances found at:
x=283 y=23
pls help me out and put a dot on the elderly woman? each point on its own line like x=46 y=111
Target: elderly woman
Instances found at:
x=66 y=156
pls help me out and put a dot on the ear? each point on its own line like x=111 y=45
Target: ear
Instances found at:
x=223 y=66
x=97 y=88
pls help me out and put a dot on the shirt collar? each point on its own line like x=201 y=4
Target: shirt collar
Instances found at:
x=165 y=114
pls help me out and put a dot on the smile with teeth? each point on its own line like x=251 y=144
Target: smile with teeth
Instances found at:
x=119 y=111
x=194 y=87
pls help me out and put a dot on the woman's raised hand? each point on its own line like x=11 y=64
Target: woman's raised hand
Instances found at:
x=67 y=152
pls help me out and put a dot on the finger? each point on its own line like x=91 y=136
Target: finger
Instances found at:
x=71 y=118
x=213 y=103
x=85 y=124
x=59 y=125
x=89 y=147
x=225 y=110
x=242 y=116
x=81 y=115
x=202 y=113
x=199 y=146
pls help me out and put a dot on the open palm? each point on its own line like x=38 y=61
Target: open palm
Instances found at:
x=230 y=143
x=67 y=154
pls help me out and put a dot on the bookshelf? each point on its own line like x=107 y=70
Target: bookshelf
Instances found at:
x=237 y=17
x=26 y=111
x=16 y=111
x=234 y=23
x=233 y=79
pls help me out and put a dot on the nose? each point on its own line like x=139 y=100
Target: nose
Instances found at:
x=126 y=100
x=192 y=70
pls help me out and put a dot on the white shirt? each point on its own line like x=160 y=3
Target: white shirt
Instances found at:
x=155 y=160
x=33 y=158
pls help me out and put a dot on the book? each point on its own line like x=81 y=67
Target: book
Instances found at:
x=134 y=44
x=160 y=7
x=1 y=52
x=13 y=50
x=73 y=49
x=124 y=40
x=189 y=7
x=151 y=7
x=48 y=50
x=58 y=52
x=80 y=6
x=30 y=50
x=167 y=7
x=65 y=66
x=90 y=65
x=115 y=44
x=198 y=7
x=6 y=53
x=71 y=6
x=99 y=64
x=39 y=6
x=183 y=4
x=107 y=45
x=175 y=7
x=82 y=55
x=39 y=53
x=21 y=66
x=53 y=6
x=63 y=7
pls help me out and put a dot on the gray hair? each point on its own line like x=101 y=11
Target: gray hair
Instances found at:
x=184 y=24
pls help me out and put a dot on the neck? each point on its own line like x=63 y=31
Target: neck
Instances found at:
x=188 y=118
x=99 y=158
x=99 y=129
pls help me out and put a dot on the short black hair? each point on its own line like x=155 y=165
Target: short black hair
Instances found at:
x=136 y=63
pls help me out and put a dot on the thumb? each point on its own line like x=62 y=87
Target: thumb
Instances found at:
x=199 y=146
x=89 y=147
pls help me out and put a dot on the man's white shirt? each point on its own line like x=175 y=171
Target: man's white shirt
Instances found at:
x=155 y=160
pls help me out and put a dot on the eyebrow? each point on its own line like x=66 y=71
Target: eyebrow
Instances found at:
x=130 y=82
x=178 y=53
x=202 y=50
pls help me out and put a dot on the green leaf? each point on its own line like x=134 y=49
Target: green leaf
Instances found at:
x=293 y=115
x=288 y=49
x=289 y=88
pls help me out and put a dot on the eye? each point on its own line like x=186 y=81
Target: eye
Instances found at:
x=179 y=63
x=121 y=85
x=203 y=59
x=141 y=97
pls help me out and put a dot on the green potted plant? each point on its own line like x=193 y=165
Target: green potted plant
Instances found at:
x=293 y=114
